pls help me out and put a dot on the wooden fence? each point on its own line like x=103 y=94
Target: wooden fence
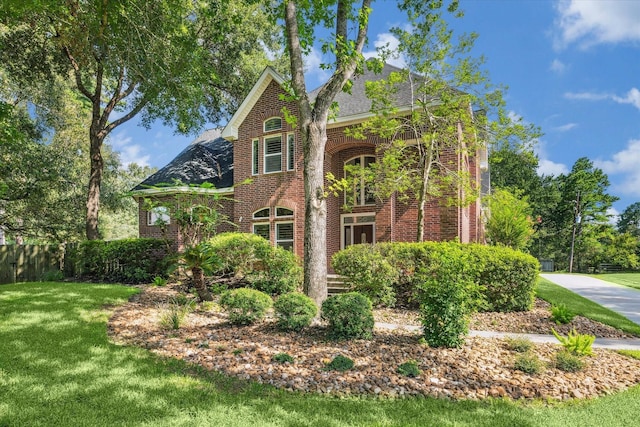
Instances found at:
x=27 y=263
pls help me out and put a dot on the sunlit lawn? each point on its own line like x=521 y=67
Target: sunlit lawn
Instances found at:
x=579 y=305
x=631 y=280
x=57 y=368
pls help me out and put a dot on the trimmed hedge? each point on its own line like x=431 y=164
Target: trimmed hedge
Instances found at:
x=294 y=311
x=245 y=306
x=270 y=269
x=507 y=276
x=350 y=316
x=122 y=261
x=367 y=272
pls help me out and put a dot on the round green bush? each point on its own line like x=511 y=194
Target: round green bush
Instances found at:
x=269 y=269
x=350 y=316
x=245 y=306
x=368 y=272
x=294 y=311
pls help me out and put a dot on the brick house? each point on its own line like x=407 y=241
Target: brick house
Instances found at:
x=260 y=145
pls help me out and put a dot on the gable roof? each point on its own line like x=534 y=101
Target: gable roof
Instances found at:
x=230 y=131
x=209 y=158
x=356 y=105
x=353 y=106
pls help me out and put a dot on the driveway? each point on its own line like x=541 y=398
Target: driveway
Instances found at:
x=618 y=298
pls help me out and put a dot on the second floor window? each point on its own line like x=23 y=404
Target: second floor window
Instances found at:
x=361 y=194
x=273 y=154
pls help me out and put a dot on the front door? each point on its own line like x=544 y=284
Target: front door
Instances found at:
x=358 y=229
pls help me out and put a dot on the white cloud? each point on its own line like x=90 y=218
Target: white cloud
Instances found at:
x=129 y=153
x=547 y=166
x=312 y=62
x=389 y=42
x=613 y=215
x=592 y=22
x=632 y=97
x=624 y=163
x=565 y=128
x=557 y=66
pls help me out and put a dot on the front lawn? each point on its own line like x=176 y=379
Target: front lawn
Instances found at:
x=631 y=280
x=555 y=294
x=57 y=368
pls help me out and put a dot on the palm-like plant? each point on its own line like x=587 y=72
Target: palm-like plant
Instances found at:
x=200 y=259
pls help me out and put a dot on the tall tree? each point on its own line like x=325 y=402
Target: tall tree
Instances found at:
x=180 y=61
x=629 y=220
x=447 y=84
x=300 y=20
x=585 y=202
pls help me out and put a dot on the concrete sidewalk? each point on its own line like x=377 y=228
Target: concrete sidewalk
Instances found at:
x=618 y=298
x=608 y=343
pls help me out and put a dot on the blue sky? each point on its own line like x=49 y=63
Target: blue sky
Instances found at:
x=572 y=68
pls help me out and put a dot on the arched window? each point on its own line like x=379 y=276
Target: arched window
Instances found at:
x=361 y=194
x=262 y=213
x=274 y=123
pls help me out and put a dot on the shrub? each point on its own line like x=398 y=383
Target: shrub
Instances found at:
x=528 y=363
x=174 y=316
x=340 y=363
x=294 y=311
x=126 y=261
x=368 y=272
x=575 y=343
x=52 y=276
x=568 y=362
x=561 y=314
x=508 y=276
x=245 y=306
x=519 y=345
x=269 y=269
x=159 y=281
x=409 y=369
x=282 y=358
x=350 y=315
x=447 y=298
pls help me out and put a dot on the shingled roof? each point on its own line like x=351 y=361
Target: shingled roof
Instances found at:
x=209 y=158
x=357 y=103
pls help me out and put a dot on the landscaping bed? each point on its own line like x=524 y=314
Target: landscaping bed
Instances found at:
x=480 y=368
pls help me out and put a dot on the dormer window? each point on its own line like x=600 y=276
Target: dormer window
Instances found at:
x=272 y=124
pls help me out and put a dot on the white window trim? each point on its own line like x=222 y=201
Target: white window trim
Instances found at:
x=278 y=241
x=362 y=185
x=264 y=124
x=353 y=215
x=262 y=218
x=158 y=213
x=265 y=155
x=283 y=216
x=255 y=156
x=291 y=152
x=268 y=224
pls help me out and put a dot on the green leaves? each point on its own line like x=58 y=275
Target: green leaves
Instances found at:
x=508 y=220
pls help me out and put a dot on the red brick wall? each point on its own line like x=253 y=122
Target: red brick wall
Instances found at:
x=284 y=189
x=395 y=220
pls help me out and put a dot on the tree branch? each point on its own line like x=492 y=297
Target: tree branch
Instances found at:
x=295 y=57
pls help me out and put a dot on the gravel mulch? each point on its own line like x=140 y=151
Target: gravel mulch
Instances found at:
x=479 y=369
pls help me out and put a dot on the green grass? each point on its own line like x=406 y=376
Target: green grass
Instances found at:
x=631 y=280
x=57 y=368
x=555 y=294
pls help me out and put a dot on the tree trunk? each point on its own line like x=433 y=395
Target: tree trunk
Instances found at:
x=95 y=180
x=315 y=215
x=201 y=287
